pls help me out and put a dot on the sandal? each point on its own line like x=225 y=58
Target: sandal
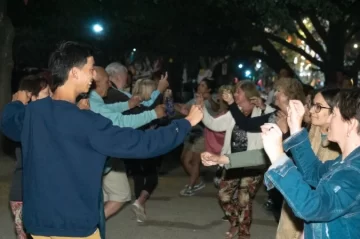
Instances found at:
x=232 y=233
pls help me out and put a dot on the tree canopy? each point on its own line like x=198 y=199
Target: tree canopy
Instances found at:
x=270 y=30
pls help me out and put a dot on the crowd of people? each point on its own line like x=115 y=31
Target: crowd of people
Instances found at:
x=81 y=132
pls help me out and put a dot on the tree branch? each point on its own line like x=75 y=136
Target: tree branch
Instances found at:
x=318 y=27
x=310 y=40
x=294 y=48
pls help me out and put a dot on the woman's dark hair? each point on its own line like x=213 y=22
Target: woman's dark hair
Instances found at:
x=210 y=84
x=33 y=84
x=330 y=96
x=348 y=101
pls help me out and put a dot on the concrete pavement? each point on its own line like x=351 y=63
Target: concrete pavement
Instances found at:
x=169 y=215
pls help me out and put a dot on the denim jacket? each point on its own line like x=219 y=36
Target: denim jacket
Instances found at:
x=325 y=195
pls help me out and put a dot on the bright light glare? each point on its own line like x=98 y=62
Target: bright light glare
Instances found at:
x=240 y=66
x=98 y=28
x=247 y=73
x=134 y=49
x=356 y=46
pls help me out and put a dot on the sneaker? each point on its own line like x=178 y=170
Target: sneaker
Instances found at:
x=197 y=187
x=187 y=192
x=139 y=212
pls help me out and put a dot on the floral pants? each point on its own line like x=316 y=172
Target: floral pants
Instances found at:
x=16 y=208
x=235 y=196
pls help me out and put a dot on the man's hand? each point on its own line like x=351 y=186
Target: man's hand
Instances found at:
x=84 y=104
x=209 y=159
x=160 y=111
x=22 y=96
x=195 y=115
x=272 y=141
x=228 y=97
x=134 y=101
x=163 y=83
x=182 y=108
x=296 y=111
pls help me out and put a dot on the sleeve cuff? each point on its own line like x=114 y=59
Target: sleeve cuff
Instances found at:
x=280 y=168
x=295 y=139
x=153 y=114
x=281 y=161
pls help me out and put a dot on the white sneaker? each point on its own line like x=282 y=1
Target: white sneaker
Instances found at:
x=139 y=212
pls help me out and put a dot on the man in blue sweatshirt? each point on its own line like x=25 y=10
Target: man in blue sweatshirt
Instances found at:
x=64 y=148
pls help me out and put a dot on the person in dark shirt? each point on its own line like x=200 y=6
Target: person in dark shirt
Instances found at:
x=64 y=148
x=38 y=88
x=285 y=89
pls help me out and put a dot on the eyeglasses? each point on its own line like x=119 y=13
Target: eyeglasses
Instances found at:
x=317 y=108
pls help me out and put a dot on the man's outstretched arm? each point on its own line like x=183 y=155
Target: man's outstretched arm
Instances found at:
x=130 y=143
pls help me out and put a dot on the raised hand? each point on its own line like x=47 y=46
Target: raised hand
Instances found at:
x=163 y=83
x=22 y=96
x=134 y=101
x=195 y=115
x=209 y=159
x=228 y=97
x=160 y=111
x=272 y=141
x=296 y=111
x=84 y=104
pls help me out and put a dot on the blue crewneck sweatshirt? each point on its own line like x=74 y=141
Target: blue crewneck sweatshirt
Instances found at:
x=64 y=151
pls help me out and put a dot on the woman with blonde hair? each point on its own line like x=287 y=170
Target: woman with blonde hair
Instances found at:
x=144 y=172
x=238 y=187
x=144 y=88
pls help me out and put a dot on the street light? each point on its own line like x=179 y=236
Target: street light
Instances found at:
x=356 y=46
x=134 y=49
x=240 y=66
x=97 y=28
x=247 y=73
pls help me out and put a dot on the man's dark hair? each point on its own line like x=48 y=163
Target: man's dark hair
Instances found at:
x=210 y=84
x=33 y=84
x=64 y=58
x=348 y=102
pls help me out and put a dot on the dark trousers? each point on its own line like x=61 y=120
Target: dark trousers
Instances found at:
x=144 y=173
x=277 y=199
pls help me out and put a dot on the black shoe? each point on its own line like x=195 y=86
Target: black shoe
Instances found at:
x=269 y=205
x=225 y=218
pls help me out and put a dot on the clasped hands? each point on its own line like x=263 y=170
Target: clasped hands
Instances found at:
x=271 y=136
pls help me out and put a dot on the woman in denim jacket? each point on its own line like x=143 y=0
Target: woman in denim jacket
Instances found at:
x=325 y=195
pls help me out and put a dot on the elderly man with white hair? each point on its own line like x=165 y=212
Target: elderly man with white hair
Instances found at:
x=118 y=74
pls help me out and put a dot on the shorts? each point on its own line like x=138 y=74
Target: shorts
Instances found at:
x=116 y=187
x=195 y=145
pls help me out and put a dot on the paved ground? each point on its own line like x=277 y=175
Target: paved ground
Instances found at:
x=170 y=216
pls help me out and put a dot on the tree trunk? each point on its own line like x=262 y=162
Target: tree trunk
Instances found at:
x=6 y=61
x=334 y=64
